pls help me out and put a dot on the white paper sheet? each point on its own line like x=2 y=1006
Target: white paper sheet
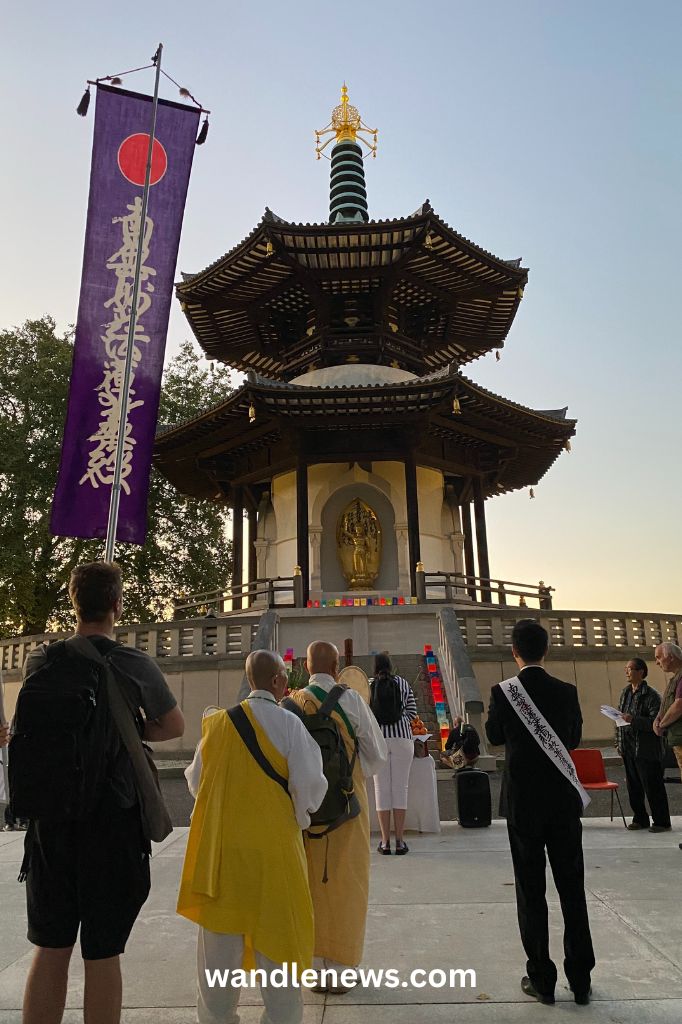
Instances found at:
x=614 y=714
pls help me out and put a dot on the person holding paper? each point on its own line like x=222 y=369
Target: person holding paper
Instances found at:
x=642 y=750
x=538 y=719
x=462 y=747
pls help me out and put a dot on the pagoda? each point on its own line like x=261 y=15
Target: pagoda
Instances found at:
x=356 y=445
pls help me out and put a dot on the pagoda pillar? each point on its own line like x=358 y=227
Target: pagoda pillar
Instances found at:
x=481 y=538
x=469 y=563
x=237 y=542
x=412 y=520
x=252 y=564
x=302 y=545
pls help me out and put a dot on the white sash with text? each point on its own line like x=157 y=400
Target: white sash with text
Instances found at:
x=542 y=732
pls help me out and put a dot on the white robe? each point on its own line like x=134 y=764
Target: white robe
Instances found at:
x=286 y=732
x=371 y=743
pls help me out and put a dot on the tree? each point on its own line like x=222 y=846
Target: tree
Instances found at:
x=187 y=548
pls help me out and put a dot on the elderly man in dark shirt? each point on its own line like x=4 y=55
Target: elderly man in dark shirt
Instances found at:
x=642 y=750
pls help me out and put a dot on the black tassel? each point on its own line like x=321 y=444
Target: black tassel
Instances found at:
x=82 y=107
x=201 y=137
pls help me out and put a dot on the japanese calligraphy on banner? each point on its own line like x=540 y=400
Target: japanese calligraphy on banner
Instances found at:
x=119 y=159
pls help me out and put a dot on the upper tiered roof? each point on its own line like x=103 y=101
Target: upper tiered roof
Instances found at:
x=407 y=301
x=410 y=292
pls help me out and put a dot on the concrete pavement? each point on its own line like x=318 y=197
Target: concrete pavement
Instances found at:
x=449 y=903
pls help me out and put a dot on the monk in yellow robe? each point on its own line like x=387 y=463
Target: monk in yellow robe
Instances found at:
x=244 y=879
x=342 y=856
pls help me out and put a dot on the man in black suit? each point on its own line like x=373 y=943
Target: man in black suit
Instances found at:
x=543 y=812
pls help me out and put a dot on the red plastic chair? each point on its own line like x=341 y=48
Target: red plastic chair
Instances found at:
x=589 y=766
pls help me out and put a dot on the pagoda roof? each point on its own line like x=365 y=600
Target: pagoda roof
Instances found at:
x=411 y=291
x=506 y=444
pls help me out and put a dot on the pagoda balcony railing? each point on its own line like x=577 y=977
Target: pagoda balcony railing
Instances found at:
x=485 y=632
x=439 y=587
x=278 y=592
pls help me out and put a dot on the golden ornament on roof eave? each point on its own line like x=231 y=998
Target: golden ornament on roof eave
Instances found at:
x=346 y=125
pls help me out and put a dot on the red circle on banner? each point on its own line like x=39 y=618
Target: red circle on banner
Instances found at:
x=132 y=159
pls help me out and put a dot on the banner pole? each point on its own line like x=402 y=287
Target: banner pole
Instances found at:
x=115 y=499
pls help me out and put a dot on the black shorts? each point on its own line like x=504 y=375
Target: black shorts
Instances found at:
x=93 y=875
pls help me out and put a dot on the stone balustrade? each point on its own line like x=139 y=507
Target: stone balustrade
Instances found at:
x=482 y=628
x=231 y=635
x=203 y=658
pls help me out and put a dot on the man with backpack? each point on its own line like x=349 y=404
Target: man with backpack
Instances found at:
x=338 y=850
x=256 y=777
x=86 y=860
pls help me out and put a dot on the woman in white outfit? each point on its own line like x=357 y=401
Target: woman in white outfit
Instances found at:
x=394 y=705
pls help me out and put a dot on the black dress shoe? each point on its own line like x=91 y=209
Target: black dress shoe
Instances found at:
x=384 y=848
x=582 y=998
x=529 y=989
x=401 y=848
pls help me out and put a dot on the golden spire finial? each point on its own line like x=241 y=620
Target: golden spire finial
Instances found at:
x=346 y=125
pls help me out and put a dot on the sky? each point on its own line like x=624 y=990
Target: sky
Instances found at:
x=543 y=129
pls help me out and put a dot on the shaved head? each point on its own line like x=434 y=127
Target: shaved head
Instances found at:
x=323 y=657
x=264 y=671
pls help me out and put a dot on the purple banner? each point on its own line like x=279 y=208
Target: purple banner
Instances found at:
x=119 y=157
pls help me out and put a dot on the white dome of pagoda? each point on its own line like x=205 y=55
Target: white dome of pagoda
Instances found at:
x=353 y=374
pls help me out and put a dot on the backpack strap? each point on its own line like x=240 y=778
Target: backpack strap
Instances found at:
x=330 y=702
x=240 y=720
x=156 y=821
x=290 y=705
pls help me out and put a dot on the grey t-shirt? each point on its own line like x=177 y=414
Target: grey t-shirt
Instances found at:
x=142 y=671
x=145 y=678
x=136 y=667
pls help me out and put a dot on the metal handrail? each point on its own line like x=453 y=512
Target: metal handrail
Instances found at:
x=450 y=581
x=215 y=600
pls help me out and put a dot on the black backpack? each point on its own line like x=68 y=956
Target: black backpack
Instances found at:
x=340 y=803
x=64 y=743
x=385 y=700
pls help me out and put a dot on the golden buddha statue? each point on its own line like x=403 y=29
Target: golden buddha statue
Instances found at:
x=358 y=542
